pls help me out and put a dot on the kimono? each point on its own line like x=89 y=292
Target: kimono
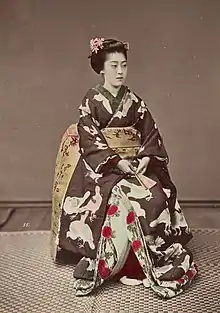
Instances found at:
x=107 y=216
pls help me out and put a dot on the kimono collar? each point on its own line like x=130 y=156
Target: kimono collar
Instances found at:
x=113 y=100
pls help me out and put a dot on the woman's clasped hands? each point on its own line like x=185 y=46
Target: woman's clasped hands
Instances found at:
x=126 y=166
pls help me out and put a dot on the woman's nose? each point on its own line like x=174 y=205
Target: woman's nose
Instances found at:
x=119 y=70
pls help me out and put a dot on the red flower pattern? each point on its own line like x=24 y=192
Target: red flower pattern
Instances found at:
x=101 y=264
x=103 y=270
x=107 y=232
x=136 y=244
x=180 y=281
x=112 y=210
x=130 y=217
x=190 y=274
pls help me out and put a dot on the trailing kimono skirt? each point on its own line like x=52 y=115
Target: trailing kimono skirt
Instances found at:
x=144 y=233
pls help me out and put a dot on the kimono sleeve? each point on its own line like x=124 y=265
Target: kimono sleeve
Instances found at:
x=151 y=140
x=93 y=146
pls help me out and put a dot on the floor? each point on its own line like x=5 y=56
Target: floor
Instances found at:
x=37 y=284
x=32 y=283
x=49 y=287
x=40 y=218
x=27 y=219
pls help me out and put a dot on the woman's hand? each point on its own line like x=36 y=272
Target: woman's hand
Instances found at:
x=126 y=167
x=143 y=164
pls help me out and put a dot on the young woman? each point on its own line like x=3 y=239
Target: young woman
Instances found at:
x=119 y=207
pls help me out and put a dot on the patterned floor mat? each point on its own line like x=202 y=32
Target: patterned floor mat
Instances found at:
x=31 y=283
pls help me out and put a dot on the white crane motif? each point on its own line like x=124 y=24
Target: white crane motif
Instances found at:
x=79 y=230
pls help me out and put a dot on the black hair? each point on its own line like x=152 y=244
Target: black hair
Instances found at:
x=98 y=59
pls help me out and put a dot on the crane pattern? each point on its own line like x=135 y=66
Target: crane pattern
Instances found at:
x=159 y=226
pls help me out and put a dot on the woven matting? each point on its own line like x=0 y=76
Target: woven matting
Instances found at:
x=31 y=282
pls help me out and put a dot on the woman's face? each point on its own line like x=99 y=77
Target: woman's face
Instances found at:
x=115 y=69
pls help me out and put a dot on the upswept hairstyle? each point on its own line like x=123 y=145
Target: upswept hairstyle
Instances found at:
x=98 y=57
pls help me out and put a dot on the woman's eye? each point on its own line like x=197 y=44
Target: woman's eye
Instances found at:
x=114 y=65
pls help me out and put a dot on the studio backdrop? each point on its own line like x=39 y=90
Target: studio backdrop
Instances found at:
x=44 y=74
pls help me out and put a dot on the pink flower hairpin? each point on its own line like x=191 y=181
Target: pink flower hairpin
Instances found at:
x=96 y=44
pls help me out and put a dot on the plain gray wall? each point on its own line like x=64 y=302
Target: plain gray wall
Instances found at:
x=44 y=74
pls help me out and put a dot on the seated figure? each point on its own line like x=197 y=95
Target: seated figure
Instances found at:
x=115 y=206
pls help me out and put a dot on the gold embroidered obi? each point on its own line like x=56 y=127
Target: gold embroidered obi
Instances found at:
x=125 y=141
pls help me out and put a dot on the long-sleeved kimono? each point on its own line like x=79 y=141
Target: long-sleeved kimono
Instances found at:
x=107 y=215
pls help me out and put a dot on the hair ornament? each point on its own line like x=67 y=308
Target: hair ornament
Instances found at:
x=96 y=44
x=126 y=45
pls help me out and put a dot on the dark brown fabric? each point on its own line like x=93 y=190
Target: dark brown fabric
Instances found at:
x=95 y=115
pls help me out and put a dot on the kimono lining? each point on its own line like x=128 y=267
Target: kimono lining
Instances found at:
x=118 y=98
x=115 y=102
